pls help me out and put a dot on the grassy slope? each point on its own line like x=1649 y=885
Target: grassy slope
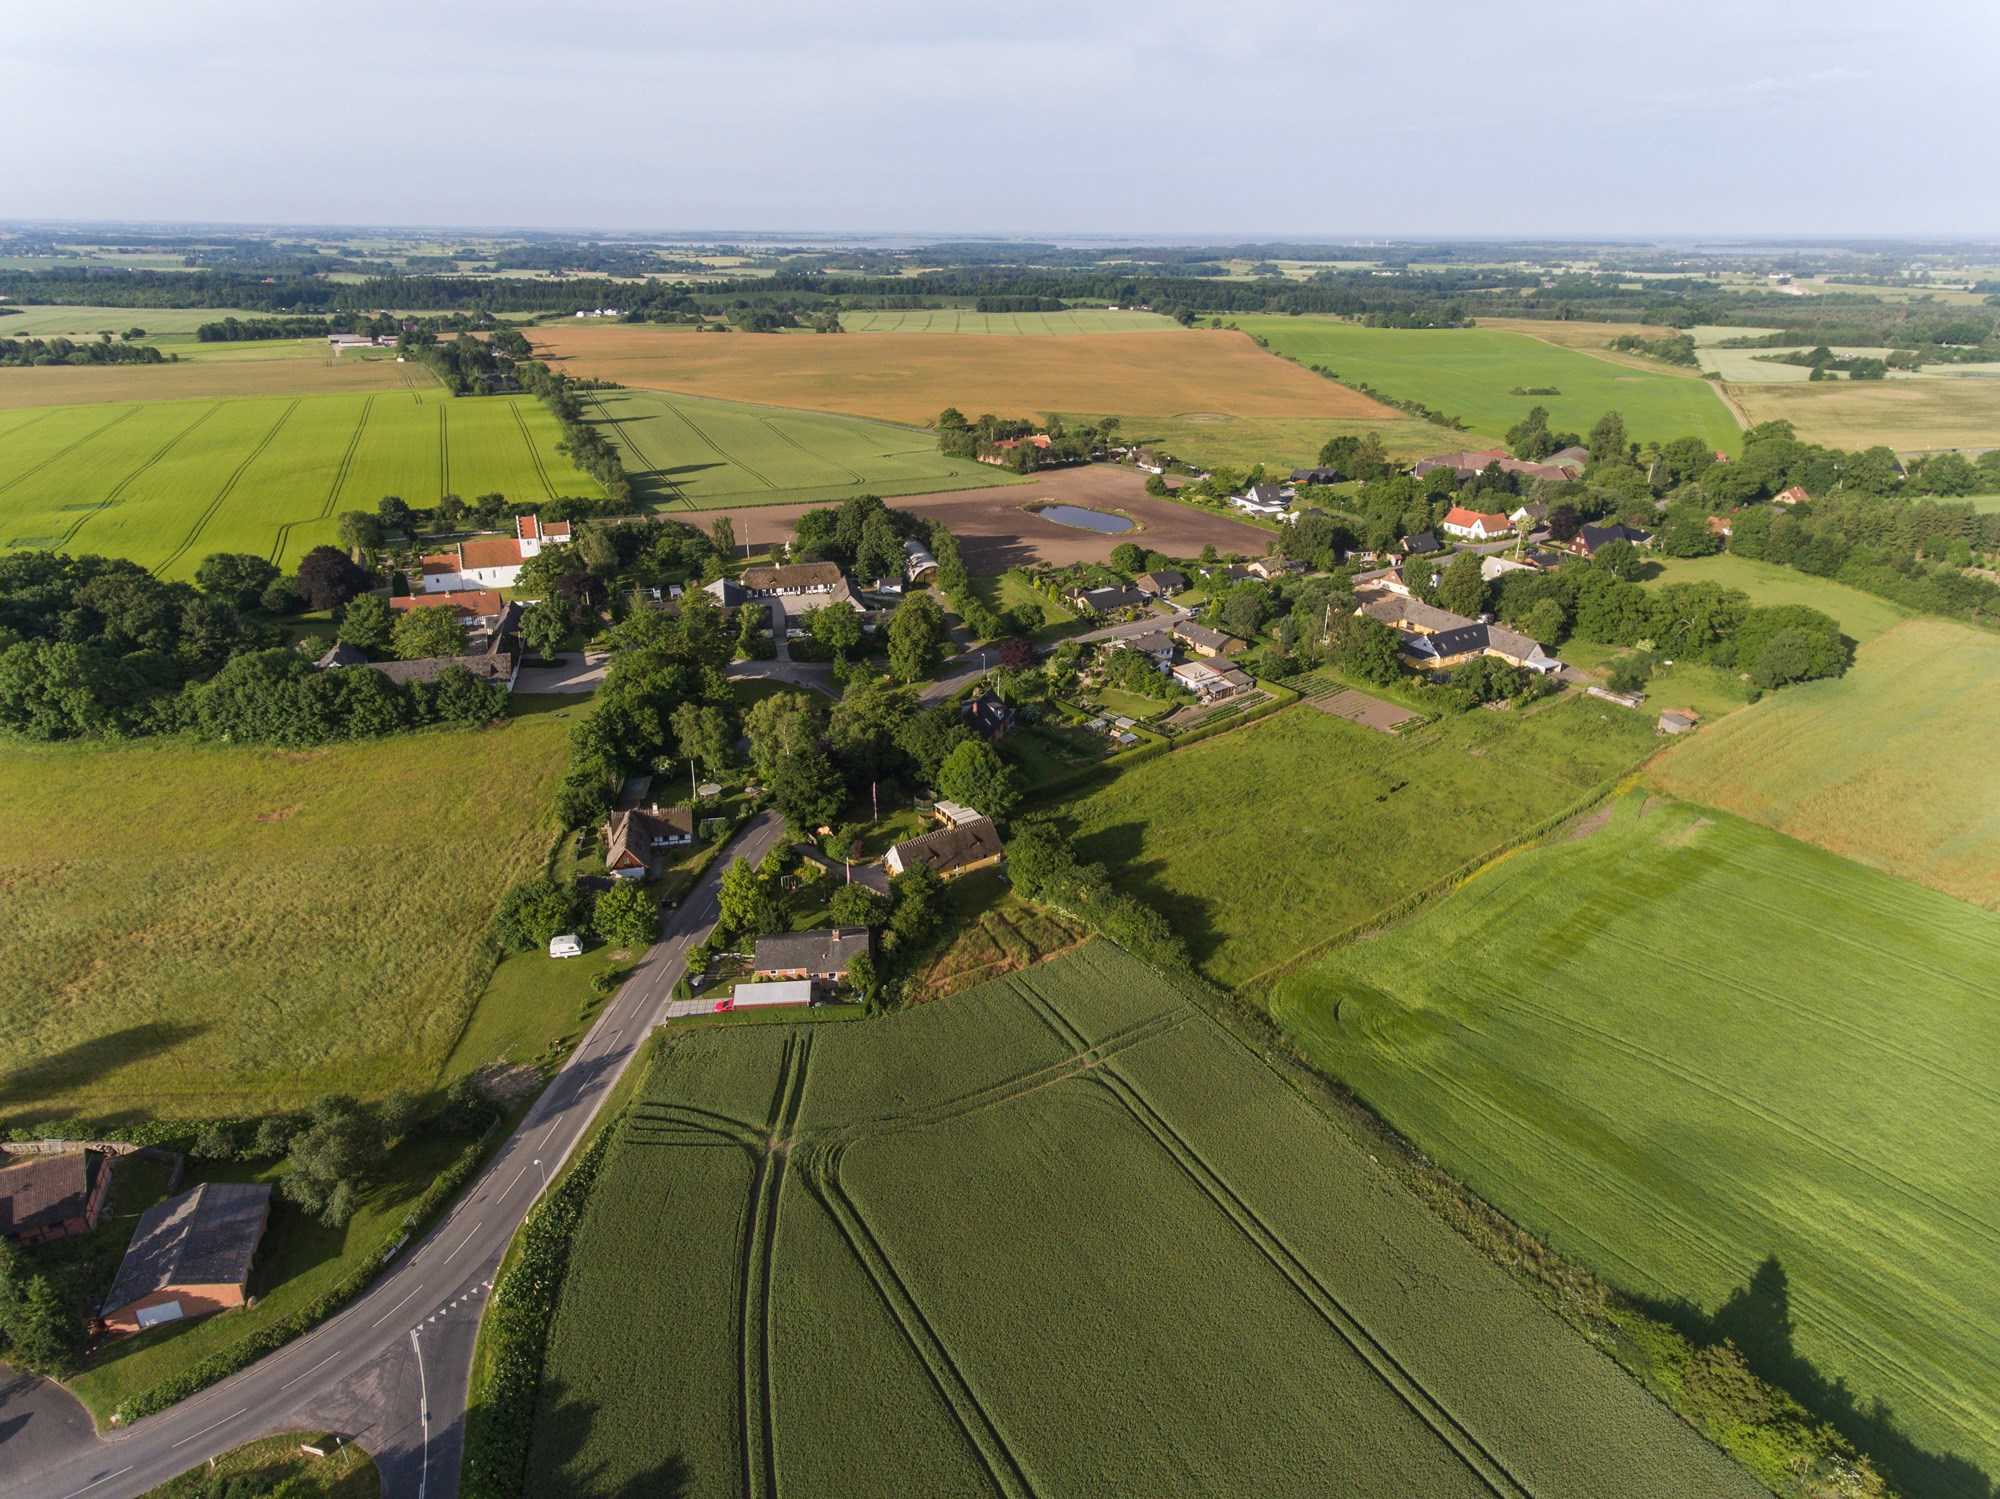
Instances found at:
x=1862 y=616
x=347 y=1475
x=166 y=483
x=1092 y=1278
x=1235 y=837
x=195 y=930
x=1682 y=1046
x=1469 y=372
x=1892 y=764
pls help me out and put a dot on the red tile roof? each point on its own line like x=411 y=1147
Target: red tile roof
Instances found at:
x=1458 y=515
x=489 y=551
x=471 y=603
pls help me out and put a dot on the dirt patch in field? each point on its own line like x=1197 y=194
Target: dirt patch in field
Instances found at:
x=1370 y=712
x=996 y=531
x=81 y=384
x=1591 y=822
x=911 y=379
x=281 y=814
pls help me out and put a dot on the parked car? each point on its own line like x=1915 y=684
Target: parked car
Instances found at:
x=724 y=1006
x=568 y=945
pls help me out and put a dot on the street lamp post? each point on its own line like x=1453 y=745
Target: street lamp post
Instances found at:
x=545 y=1175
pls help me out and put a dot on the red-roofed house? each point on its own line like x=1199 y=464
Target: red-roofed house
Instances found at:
x=492 y=561
x=1796 y=495
x=1474 y=525
x=475 y=606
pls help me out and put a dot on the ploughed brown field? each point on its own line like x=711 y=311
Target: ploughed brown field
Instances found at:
x=996 y=531
x=912 y=379
x=82 y=384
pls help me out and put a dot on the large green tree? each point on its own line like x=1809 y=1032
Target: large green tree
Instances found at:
x=626 y=915
x=433 y=631
x=367 y=623
x=916 y=637
x=974 y=773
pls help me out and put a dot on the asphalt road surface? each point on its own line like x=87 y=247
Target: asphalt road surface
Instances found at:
x=391 y=1370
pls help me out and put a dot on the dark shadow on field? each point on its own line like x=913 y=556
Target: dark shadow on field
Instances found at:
x=1117 y=849
x=562 y=1431
x=88 y=1061
x=691 y=468
x=1757 y=1319
x=993 y=555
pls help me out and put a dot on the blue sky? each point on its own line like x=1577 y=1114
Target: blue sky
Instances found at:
x=1249 y=117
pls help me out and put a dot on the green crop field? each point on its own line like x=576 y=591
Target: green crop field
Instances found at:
x=693 y=453
x=1469 y=372
x=167 y=483
x=1239 y=837
x=1861 y=616
x=1060 y=1235
x=1034 y=324
x=1723 y=1067
x=205 y=930
x=1892 y=764
x=72 y=321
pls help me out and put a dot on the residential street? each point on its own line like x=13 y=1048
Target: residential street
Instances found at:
x=391 y=1370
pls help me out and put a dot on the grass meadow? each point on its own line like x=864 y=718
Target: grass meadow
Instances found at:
x=1891 y=765
x=1728 y=1070
x=690 y=453
x=1262 y=843
x=1861 y=616
x=1061 y=1235
x=1470 y=372
x=1030 y=324
x=1913 y=415
x=167 y=483
x=197 y=931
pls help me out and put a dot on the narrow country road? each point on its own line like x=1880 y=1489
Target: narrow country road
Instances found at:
x=391 y=1371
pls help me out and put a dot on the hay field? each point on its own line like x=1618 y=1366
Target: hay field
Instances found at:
x=200 y=378
x=1469 y=372
x=685 y=452
x=1032 y=324
x=1915 y=415
x=70 y=320
x=207 y=930
x=1261 y=843
x=912 y=379
x=1891 y=765
x=167 y=483
x=1861 y=616
x=1723 y=1067
x=1060 y=1234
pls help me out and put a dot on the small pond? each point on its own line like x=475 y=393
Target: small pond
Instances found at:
x=1101 y=521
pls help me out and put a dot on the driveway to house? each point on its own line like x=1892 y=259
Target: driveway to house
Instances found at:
x=577 y=673
x=391 y=1371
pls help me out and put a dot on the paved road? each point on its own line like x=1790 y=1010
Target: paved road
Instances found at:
x=392 y=1370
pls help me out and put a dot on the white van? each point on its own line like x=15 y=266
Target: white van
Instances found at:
x=568 y=945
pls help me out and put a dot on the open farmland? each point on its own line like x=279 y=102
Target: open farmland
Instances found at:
x=1469 y=373
x=275 y=926
x=1892 y=764
x=1914 y=415
x=70 y=320
x=1235 y=837
x=167 y=483
x=688 y=453
x=913 y=379
x=195 y=378
x=1060 y=1235
x=1030 y=324
x=1730 y=1071
x=1861 y=616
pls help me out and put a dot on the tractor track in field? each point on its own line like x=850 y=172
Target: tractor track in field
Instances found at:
x=444 y=450
x=339 y=482
x=793 y=442
x=40 y=416
x=652 y=464
x=1486 y=1465
x=981 y=1431
x=30 y=472
x=659 y=1122
x=111 y=495
x=228 y=487
x=715 y=447
x=760 y=1423
x=535 y=457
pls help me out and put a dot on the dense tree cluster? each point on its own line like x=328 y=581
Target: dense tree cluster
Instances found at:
x=27 y=351
x=1043 y=866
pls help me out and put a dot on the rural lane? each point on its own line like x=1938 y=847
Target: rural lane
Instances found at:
x=391 y=1371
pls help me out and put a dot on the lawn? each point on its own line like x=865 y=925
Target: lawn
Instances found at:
x=686 y=452
x=1470 y=373
x=1907 y=415
x=277 y=1464
x=202 y=930
x=1260 y=843
x=167 y=483
x=1861 y=616
x=1034 y=324
x=1891 y=764
x=1060 y=1235
x=1728 y=1070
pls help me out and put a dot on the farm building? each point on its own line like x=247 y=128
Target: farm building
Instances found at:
x=822 y=955
x=1468 y=465
x=949 y=851
x=1475 y=525
x=341 y=654
x=1435 y=637
x=490 y=655
x=812 y=584
x=753 y=993
x=1315 y=476
x=633 y=839
x=45 y=1197
x=918 y=563
x=189 y=1256
x=492 y=561
x=1678 y=720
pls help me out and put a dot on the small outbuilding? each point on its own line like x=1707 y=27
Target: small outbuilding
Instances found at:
x=189 y=1256
x=45 y=1197
x=1678 y=720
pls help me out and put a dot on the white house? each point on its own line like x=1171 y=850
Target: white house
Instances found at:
x=1474 y=525
x=1267 y=500
x=492 y=561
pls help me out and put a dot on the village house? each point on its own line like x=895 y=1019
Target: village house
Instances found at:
x=997 y=452
x=1419 y=544
x=1468 y=465
x=1267 y=568
x=1150 y=461
x=44 y=1197
x=1794 y=494
x=820 y=956
x=1105 y=601
x=1528 y=516
x=1210 y=682
x=1721 y=525
x=1475 y=525
x=189 y=1256
x=1206 y=642
x=986 y=715
x=1590 y=540
x=633 y=839
x=477 y=608
x=492 y=561
x=1434 y=637
x=1315 y=476
x=1156 y=645
x=949 y=852
x=955 y=814
x=1387 y=579
x=808 y=585
x=1267 y=500
x=1161 y=584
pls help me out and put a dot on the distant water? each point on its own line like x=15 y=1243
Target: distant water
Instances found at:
x=1100 y=521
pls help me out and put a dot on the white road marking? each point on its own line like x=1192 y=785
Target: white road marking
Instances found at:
x=516 y=1181
x=95 y=1482
x=320 y=1365
x=423 y=1411
x=392 y=1310
x=461 y=1244
x=210 y=1427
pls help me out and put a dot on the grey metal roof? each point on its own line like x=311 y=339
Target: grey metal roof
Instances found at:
x=821 y=950
x=204 y=1237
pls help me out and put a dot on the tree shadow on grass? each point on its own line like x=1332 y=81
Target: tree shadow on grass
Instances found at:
x=1757 y=1319
x=23 y=1088
x=1117 y=848
x=563 y=1424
